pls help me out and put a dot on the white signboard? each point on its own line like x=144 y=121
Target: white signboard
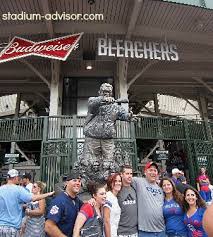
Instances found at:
x=137 y=49
x=11 y=158
x=11 y=155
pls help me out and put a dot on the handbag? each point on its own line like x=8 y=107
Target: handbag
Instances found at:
x=93 y=227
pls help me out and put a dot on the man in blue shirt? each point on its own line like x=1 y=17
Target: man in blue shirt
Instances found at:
x=176 y=173
x=12 y=197
x=64 y=209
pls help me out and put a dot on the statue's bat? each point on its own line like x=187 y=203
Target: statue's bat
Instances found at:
x=120 y=100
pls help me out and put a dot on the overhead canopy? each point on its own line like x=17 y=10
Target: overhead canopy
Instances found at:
x=188 y=27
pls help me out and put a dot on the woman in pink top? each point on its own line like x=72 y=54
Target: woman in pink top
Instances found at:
x=203 y=185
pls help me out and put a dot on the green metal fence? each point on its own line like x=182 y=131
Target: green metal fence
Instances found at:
x=201 y=155
x=66 y=127
x=62 y=140
x=22 y=129
x=170 y=129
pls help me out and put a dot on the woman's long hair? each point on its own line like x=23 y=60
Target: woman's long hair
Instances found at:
x=111 y=181
x=200 y=202
x=200 y=171
x=41 y=185
x=177 y=196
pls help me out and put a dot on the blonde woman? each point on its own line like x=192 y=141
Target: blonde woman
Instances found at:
x=35 y=213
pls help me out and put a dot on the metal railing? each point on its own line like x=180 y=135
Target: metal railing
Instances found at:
x=22 y=129
x=67 y=127
x=170 y=129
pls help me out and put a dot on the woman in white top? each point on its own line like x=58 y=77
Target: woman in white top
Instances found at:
x=112 y=209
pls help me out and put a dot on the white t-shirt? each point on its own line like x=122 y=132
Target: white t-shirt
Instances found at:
x=115 y=212
x=29 y=187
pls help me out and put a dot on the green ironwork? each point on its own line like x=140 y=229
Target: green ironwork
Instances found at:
x=190 y=153
x=170 y=129
x=66 y=127
x=197 y=130
x=204 y=155
x=55 y=154
x=200 y=155
x=22 y=129
x=55 y=160
x=62 y=140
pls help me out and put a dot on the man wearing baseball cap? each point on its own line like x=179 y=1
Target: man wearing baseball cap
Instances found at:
x=12 y=196
x=64 y=208
x=176 y=173
x=150 y=199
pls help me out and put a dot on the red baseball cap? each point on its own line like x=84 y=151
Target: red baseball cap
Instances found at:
x=149 y=164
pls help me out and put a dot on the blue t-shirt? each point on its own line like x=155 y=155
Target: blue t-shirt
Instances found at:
x=194 y=223
x=11 y=199
x=63 y=211
x=173 y=215
x=175 y=180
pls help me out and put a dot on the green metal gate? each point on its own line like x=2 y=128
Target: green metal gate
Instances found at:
x=200 y=154
x=55 y=160
x=58 y=157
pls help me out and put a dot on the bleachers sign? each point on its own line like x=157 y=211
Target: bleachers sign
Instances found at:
x=137 y=49
x=11 y=158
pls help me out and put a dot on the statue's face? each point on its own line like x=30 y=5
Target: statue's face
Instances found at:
x=107 y=93
x=106 y=90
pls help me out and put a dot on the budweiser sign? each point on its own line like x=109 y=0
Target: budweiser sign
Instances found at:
x=58 y=48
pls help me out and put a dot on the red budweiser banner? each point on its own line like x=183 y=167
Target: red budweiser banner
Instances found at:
x=58 y=48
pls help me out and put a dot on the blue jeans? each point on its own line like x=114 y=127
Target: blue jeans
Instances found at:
x=176 y=235
x=151 y=234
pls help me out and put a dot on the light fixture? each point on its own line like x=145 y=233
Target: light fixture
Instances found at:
x=88 y=65
x=91 y=2
x=89 y=58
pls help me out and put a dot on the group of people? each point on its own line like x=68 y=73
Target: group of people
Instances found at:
x=13 y=197
x=124 y=206
x=131 y=206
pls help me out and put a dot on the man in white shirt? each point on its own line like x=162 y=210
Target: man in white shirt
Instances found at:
x=26 y=179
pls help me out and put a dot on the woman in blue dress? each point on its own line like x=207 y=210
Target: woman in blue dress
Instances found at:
x=173 y=209
x=194 y=207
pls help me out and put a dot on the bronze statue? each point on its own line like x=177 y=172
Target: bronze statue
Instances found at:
x=99 y=131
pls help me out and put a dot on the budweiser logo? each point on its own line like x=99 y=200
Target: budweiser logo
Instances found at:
x=58 y=48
